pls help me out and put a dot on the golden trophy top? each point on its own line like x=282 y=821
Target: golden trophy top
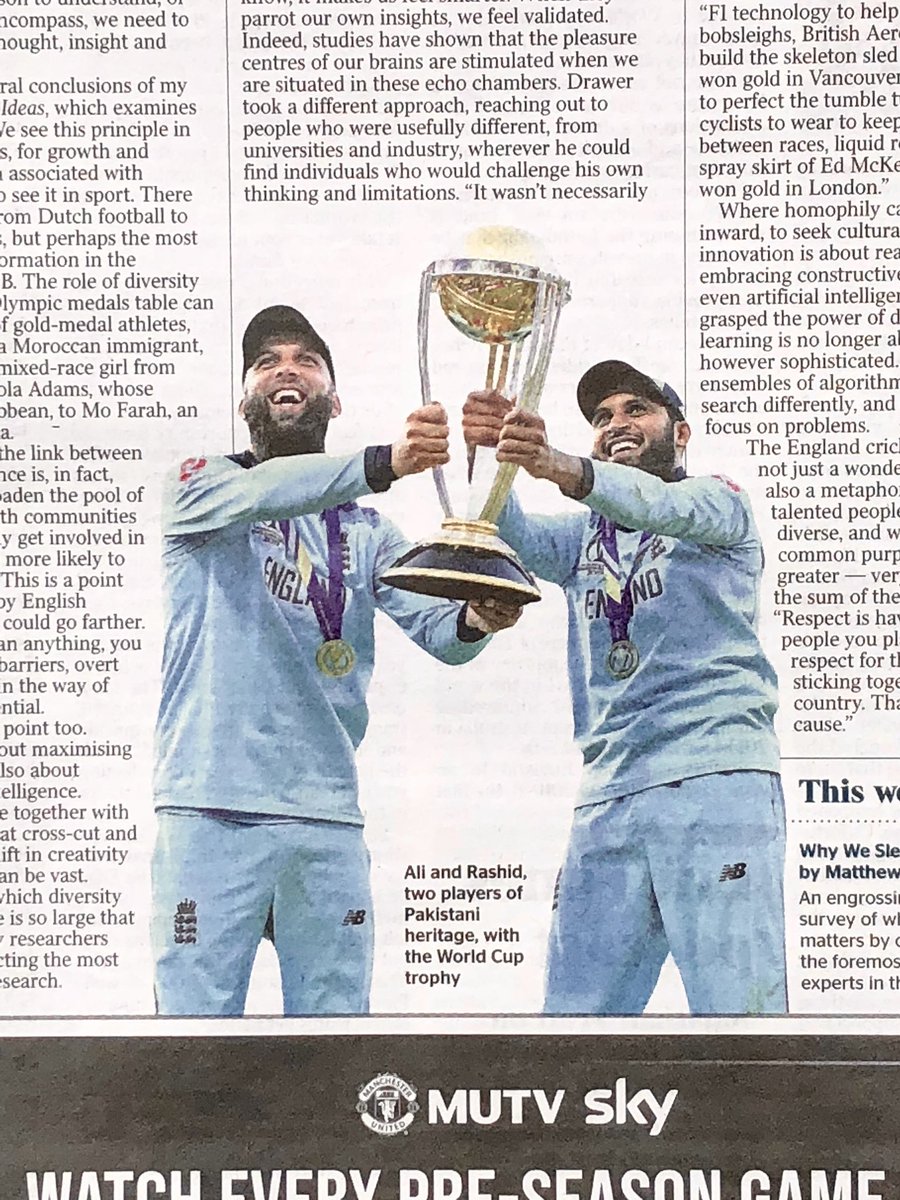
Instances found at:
x=488 y=308
x=489 y=292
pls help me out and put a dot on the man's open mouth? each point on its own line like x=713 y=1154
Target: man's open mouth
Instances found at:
x=622 y=445
x=289 y=398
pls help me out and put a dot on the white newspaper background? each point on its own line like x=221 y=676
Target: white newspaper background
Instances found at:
x=159 y=155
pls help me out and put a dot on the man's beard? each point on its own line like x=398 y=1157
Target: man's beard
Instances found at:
x=658 y=457
x=274 y=435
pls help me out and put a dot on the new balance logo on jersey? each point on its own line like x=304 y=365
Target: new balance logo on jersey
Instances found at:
x=733 y=871
x=355 y=916
x=186 y=922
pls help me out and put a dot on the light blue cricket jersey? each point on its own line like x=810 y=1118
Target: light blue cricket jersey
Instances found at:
x=703 y=697
x=247 y=721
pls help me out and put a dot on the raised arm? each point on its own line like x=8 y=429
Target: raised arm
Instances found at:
x=711 y=511
x=204 y=495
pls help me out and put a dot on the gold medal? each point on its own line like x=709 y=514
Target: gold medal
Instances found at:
x=623 y=659
x=335 y=658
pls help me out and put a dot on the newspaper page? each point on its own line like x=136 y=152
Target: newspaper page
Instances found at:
x=705 y=193
x=716 y=185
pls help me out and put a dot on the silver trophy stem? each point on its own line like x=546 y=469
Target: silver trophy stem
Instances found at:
x=483 y=461
x=548 y=303
x=425 y=291
x=512 y=387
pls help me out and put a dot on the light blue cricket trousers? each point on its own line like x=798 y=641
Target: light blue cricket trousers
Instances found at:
x=215 y=878
x=695 y=868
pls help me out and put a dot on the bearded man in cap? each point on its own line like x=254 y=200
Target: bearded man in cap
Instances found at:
x=678 y=837
x=272 y=577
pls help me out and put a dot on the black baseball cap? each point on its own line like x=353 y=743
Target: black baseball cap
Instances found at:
x=286 y=323
x=613 y=377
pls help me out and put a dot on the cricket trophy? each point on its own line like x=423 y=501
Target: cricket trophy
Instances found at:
x=503 y=295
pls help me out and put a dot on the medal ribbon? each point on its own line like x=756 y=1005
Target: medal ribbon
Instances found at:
x=327 y=600
x=619 y=600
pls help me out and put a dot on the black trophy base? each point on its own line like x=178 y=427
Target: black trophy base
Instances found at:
x=463 y=572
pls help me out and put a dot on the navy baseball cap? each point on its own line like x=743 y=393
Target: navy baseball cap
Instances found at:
x=613 y=377
x=282 y=322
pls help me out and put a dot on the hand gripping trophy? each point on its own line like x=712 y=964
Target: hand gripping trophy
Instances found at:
x=502 y=294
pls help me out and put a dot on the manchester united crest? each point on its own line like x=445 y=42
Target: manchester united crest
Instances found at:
x=387 y=1105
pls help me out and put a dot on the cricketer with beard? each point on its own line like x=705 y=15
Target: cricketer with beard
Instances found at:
x=678 y=837
x=272 y=577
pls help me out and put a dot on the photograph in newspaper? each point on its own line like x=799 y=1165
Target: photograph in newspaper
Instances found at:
x=216 y=442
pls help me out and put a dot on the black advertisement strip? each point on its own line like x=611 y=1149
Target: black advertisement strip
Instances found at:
x=450 y=1118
